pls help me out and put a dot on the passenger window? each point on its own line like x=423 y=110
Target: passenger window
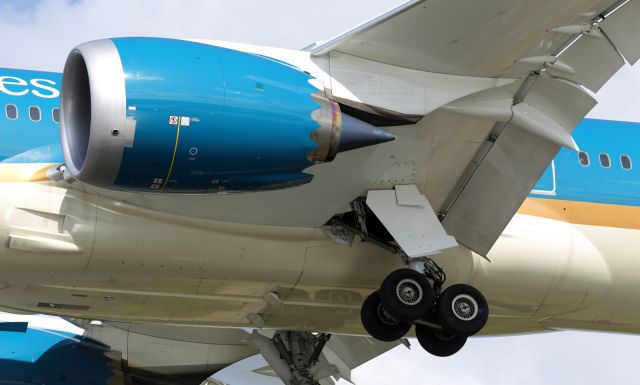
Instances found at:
x=12 y=111
x=583 y=158
x=56 y=115
x=34 y=113
x=605 y=161
x=625 y=162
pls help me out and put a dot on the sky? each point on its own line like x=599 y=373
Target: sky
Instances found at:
x=38 y=34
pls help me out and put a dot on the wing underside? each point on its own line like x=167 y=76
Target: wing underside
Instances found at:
x=479 y=94
x=488 y=148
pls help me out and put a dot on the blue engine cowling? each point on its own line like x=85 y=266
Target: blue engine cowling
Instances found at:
x=164 y=115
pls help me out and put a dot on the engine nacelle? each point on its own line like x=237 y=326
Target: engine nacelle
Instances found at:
x=159 y=115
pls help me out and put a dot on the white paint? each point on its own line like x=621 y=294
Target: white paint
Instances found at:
x=15 y=86
x=43 y=322
x=48 y=86
x=12 y=81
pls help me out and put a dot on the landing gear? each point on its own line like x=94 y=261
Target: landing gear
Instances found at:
x=443 y=319
x=440 y=343
x=379 y=322
x=407 y=294
x=462 y=309
x=296 y=357
x=414 y=295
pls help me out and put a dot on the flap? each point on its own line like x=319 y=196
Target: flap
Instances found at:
x=623 y=28
x=512 y=160
x=593 y=60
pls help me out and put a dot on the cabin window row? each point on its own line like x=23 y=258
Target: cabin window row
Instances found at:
x=35 y=114
x=605 y=160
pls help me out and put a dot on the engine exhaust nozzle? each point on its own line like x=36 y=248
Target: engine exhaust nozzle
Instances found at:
x=340 y=132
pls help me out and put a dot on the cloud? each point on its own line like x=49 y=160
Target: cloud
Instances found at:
x=40 y=36
x=554 y=358
x=620 y=97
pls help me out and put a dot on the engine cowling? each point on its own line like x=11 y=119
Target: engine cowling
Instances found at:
x=165 y=115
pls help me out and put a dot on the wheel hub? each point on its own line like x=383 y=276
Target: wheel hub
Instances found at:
x=409 y=292
x=465 y=307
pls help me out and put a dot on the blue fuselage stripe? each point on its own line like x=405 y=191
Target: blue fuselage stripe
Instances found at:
x=595 y=183
x=23 y=140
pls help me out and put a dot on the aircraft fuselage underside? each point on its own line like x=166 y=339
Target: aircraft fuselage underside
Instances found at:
x=80 y=255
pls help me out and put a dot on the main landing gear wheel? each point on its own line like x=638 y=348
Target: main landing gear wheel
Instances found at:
x=443 y=319
x=462 y=309
x=406 y=294
x=440 y=343
x=379 y=323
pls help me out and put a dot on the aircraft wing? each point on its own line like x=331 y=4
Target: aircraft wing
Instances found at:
x=488 y=149
x=480 y=96
x=345 y=352
x=466 y=37
x=190 y=353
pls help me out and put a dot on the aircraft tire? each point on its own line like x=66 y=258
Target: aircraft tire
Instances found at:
x=407 y=294
x=462 y=309
x=439 y=343
x=379 y=323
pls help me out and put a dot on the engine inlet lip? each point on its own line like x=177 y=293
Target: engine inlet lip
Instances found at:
x=76 y=110
x=93 y=108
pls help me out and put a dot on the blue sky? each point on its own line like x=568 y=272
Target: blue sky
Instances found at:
x=48 y=29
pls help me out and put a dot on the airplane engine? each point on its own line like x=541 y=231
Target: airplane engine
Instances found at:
x=164 y=115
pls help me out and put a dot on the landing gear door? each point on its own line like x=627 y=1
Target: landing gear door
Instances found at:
x=406 y=213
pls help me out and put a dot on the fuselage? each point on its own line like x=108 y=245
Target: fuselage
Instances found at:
x=567 y=259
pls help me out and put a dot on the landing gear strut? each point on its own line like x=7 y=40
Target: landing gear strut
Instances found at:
x=443 y=319
x=296 y=357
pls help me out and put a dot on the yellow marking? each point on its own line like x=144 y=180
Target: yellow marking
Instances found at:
x=583 y=213
x=173 y=158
